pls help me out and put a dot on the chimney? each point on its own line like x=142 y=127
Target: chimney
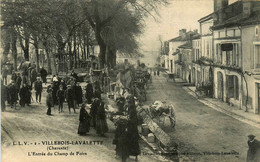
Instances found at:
x=219 y=4
x=247 y=8
x=182 y=32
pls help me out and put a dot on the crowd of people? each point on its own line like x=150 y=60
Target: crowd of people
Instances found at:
x=19 y=88
x=126 y=134
x=68 y=90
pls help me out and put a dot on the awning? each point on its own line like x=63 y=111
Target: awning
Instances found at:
x=176 y=53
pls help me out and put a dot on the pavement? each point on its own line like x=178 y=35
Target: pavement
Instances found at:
x=201 y=132
x=233 y=111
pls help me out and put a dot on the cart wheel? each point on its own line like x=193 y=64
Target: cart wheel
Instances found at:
x=173 y=123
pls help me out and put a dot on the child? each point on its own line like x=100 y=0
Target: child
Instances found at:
x=60 y=97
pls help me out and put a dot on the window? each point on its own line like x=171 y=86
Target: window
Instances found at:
x=198 y=52
x=207 y=49
x=180 y=57
x=257 y=56
x=236 y=88
x=227 y=48
x=256 y=31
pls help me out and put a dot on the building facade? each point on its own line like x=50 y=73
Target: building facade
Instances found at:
x=236 y=54
x=196 y=55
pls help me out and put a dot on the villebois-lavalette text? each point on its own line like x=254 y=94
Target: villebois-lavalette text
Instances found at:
x=27 y=143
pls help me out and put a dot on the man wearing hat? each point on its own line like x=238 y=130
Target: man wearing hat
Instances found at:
x=13 y=94
x=38 y=89
x=60 y=97
x=69 y=95
x=253 y=153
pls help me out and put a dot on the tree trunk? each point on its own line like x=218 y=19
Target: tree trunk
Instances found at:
x=70 y=53
x=36 y=46
x=48 y=62
x=14 y=48
x=7 y=43
x=88 y=48
x=54 y=62
x=74 y=51
x=106 y=57
x=102 y=55
x=48 y=57
x=61 y=44
x=26 y=48
x=101 y=44
x=37 y=57
x=112 y=58
x=84 y=50
x=113 y=63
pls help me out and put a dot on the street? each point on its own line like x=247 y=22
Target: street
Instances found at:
x=201 y=131
x=33 y=129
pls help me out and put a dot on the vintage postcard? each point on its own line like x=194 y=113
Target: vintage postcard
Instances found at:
x=130 y=80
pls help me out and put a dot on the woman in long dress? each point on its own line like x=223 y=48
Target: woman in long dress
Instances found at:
x=93 y=111
x=121 y=139
x=133 y=135
x=101 y=123
x=84 y=121
x=89 y=92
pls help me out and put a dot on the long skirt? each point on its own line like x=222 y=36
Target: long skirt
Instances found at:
x=83 y=127
x=101 y=126
x=2 y=105
x=133 y=137
x=49 y=110
x=122 y=147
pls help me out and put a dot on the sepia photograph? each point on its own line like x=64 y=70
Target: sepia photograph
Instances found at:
x=130 y=80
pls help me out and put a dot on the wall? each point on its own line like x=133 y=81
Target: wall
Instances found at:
x=173 y=46
x=205 y=27
x=248 y=40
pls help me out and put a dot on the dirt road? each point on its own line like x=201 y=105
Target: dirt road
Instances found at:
x=28 y=134
x=202 y=132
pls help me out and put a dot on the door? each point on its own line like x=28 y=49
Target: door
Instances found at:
x=220 y=86
x=258 y=97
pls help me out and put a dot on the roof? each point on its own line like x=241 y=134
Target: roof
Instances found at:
x=176 y=53
x=239 y=20
x=187 y=45
x=237 y=17
x=190 y=35
x=205 y=18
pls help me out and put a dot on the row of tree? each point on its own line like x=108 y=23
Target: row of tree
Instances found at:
x=66 y=26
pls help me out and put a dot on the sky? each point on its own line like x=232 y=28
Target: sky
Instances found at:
x=179 y=14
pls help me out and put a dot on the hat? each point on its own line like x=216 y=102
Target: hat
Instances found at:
x=83 y=105
x=251 y=136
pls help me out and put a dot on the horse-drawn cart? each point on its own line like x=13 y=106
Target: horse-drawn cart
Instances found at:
x=171 y=76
